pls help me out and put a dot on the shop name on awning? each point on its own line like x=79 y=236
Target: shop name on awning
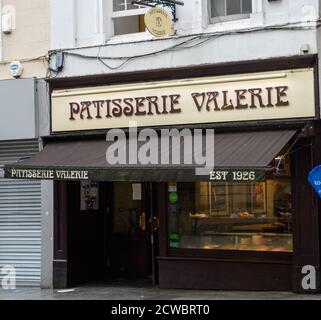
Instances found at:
x=226 y=175
x=50 y=174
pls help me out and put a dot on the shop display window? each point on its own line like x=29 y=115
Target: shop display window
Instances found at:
x=232 y=216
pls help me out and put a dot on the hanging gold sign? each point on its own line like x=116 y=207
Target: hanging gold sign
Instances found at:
x=158 y=22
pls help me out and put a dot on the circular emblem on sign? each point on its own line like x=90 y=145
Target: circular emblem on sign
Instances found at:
x=158 y=22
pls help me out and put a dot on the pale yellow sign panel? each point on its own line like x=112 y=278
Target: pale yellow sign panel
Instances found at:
x=285 y=94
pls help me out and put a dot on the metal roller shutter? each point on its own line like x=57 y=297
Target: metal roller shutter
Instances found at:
x=20 y=217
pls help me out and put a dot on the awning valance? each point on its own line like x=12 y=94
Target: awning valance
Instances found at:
x=86 y=159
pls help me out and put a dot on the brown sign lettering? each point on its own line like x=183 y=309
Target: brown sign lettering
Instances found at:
x=168 y=104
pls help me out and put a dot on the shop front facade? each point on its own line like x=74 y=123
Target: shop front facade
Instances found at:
x=250 y=223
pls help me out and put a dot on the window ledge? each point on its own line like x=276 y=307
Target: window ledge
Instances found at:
x=285 y=258
x=229 y=25
x=129 y=13
x=230 y=18
x=133 y=37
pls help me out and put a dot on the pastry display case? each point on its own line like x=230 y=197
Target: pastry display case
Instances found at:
x=231 y=216
x=246 y=233
x=240 y=241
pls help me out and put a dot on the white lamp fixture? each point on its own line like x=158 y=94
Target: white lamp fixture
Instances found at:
x=6 y=23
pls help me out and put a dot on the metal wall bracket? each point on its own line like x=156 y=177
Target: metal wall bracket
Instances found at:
x=167 y=3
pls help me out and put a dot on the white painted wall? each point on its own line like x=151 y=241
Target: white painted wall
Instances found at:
x=217 y=49
x=90 y=29
x=78 y=23
x=290 y=11
x=274 y=29
x=63 y=28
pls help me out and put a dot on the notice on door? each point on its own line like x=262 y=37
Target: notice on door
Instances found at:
x=137 y=191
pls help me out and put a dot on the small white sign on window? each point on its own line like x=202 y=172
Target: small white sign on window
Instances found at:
x=172 y=187
x=137 y=191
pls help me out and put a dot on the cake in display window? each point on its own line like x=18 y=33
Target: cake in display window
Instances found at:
x=233 y=216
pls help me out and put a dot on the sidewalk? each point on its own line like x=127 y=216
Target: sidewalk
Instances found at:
x=141 y=291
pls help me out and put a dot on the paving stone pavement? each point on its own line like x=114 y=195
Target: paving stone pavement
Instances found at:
x=143 y=291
